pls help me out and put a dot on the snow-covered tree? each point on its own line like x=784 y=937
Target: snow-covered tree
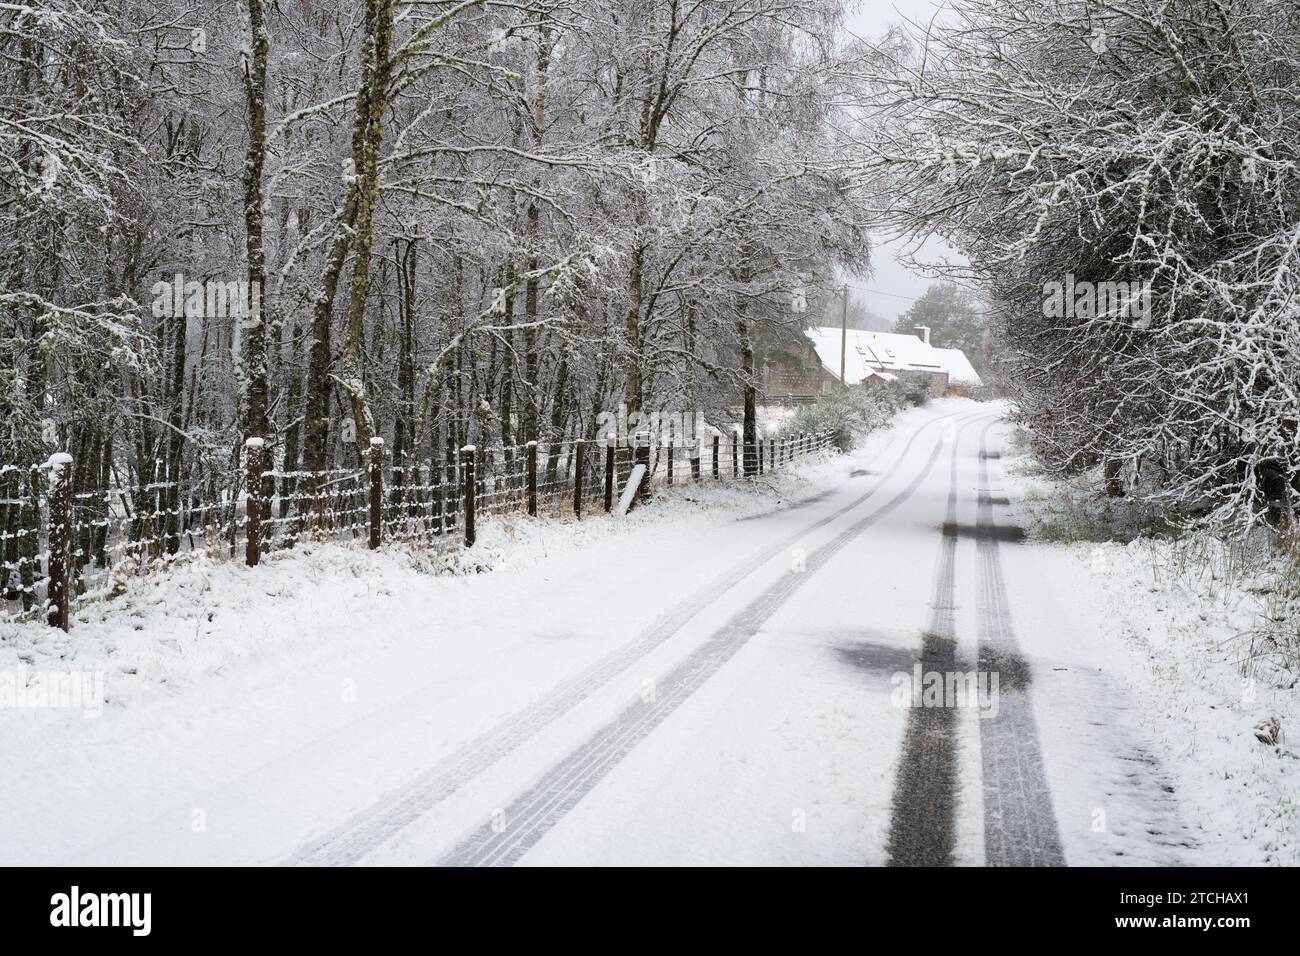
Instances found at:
x=1066 y=144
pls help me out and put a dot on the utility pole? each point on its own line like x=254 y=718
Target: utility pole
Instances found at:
x=844 y=331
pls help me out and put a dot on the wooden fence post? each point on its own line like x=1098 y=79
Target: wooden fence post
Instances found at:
x=436 y=493
x=467 y=474
x=670 y=462
x=579 y=447
x=58 y=591
x=758 y=452
x=643 y=458
x=735 y=456
x=451 y=475
x=376 y=492
x=695 y=460
x=716 y=442
x=532 y=479
x=253 y=448
x=610 y=443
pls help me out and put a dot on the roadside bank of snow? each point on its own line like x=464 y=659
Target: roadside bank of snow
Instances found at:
x=1174 y=618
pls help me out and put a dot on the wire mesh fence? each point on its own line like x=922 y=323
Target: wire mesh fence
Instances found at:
x=60 y=544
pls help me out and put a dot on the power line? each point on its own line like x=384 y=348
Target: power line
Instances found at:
x=892 y=295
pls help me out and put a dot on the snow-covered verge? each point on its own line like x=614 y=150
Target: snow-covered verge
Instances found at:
x=170 y=630
x=158 y=634
x=1197 y=627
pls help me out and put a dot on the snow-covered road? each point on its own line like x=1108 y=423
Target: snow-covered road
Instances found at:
x=727 y=691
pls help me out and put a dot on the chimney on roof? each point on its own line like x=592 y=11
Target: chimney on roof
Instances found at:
x=924 y=331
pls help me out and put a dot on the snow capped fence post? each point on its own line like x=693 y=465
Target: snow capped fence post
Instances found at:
x=467 y=473
x=735 y=455
x=579 y=447
x=532 y=479
x=716 y=475
x=58 y=589
x=609 y=473
x=671 y=449
x=695 y=460
x=253 y=465
x=376 y=492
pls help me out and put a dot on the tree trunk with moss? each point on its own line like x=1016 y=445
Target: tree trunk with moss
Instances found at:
x=354 y=225
x=253 y=315
x=379 y=69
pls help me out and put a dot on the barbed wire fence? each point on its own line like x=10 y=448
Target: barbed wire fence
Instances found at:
x=61 y=545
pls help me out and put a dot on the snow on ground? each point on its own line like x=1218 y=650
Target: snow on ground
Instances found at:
x=260 y=705
x=345 y=706
x=1166 y=626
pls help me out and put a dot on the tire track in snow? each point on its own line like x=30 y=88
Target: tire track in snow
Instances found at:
x=366 y=831
x=532 y=815
x=922 y=829
x=1019 y=821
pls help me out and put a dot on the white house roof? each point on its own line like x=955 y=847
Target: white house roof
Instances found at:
x=960 y=371
x=887 y=353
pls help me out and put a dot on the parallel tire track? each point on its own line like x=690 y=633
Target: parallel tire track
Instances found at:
x=531 y=815
x=923 y=820
x=366 y=831
x=1019 y=822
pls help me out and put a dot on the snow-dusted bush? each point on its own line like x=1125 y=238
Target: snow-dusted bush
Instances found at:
x=851 y=413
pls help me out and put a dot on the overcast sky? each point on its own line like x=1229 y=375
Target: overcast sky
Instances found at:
x=891 y=290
